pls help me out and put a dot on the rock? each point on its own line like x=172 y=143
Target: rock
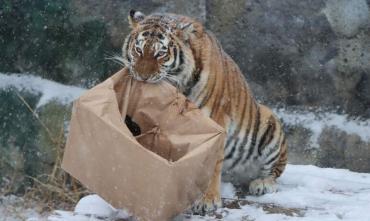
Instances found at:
x=299 y=146
x=41 y=37
x=25 y=146
x=114 y=13
x=347 y=17
x=327 y=139
x=341 y=150
x=18 y=134
x=65 y=42
x=337 y=149
x=351 y=74
x=309 y=53
x=50 y=143
x=332 y=143
x=292 y=51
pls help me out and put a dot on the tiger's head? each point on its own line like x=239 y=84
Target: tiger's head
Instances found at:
x=161 y=47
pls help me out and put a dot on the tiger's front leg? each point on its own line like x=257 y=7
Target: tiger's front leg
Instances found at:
x=212 y=198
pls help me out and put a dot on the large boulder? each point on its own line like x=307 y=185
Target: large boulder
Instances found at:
x=299 y=53
x=71 y=41
x=42 y=37
x=327 y=139
x=294 y=53
x=342 y=150
x=18 y=134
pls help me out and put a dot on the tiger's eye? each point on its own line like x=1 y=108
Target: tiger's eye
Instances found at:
x=161 y=53
x=138 y=50
x=146 y=33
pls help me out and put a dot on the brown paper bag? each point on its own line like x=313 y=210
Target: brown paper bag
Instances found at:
x=155 y=175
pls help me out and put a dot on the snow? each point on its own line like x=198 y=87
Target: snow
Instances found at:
x=305 y=193
x=313 y=121
x=49 y=90
x=94 y=204
x=14 y=208
x=90 y=208
x=313 y=194
x=316 y=122
x=228 y=190
x=325 y=194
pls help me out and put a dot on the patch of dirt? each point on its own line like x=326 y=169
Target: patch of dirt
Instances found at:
x=271 y=208
x=268 y=207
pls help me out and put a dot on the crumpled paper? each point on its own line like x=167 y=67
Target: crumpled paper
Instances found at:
x=159 y=172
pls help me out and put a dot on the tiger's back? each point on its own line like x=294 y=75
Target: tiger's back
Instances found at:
x=256 y=142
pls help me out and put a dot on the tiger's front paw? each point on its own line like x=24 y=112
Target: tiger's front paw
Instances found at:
x=206 y=205
x=262 y=186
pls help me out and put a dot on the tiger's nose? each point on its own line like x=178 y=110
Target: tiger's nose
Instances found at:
x=145 y=77
x=146 y=68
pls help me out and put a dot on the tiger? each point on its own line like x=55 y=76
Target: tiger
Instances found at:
x=179 y=50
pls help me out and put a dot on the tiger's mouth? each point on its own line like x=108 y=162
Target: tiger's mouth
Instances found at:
x=155 y=78
x=152 y=78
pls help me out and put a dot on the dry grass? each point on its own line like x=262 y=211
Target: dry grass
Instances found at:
x=57 y=189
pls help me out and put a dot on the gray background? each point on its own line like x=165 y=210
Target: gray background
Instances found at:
x=305 y=56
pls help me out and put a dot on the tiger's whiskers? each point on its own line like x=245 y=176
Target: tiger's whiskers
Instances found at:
x=118 y=60
x=173 y=80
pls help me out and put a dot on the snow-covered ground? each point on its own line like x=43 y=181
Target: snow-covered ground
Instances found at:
x=305 y=193
x=14 y=208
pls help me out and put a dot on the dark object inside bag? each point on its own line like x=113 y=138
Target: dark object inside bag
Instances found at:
x=132 y=126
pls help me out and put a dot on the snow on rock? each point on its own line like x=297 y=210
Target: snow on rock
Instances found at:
x=305 y=193
x=316 y=122
x=65 y=94
x=49 y=90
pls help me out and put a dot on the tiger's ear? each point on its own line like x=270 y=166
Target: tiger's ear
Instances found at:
x=135 y=17
x=190 y=29
x=186 y=27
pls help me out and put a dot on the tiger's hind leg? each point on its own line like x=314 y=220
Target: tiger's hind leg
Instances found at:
x=271 y=170
x=263 y=185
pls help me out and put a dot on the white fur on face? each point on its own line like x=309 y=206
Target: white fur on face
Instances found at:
x=160 y=46
x=140 y=42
